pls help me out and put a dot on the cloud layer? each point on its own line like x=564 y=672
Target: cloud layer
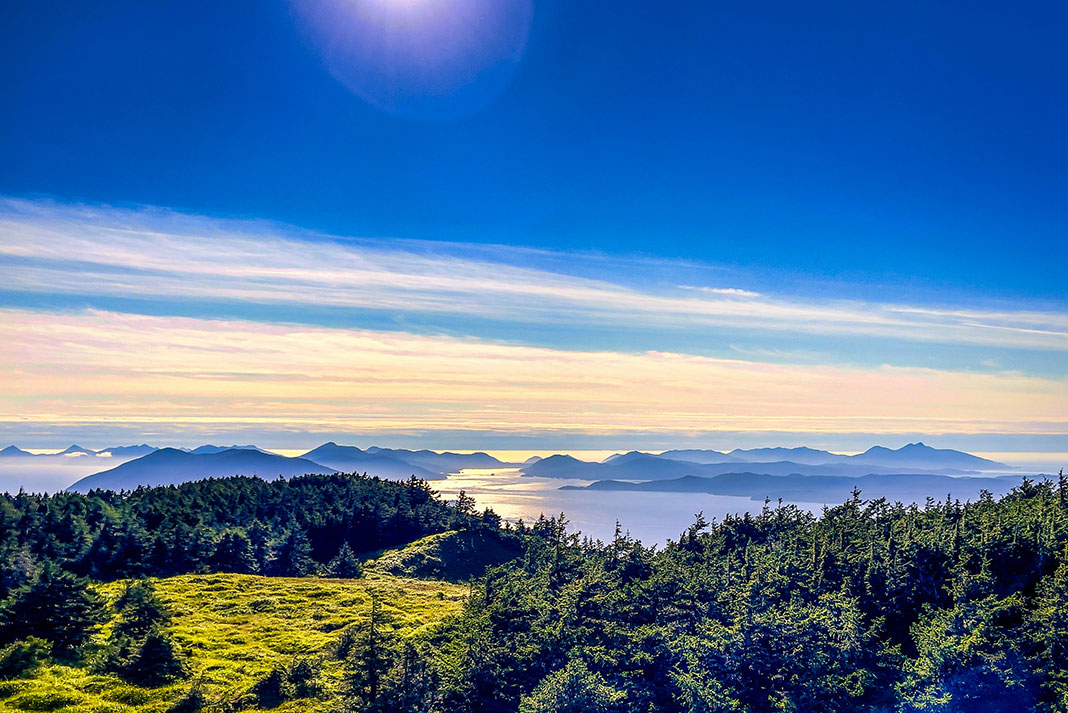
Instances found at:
x=99 y=364
x=96 y=366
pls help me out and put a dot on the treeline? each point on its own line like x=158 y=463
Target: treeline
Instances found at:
x=871 y=607
x=306 y=525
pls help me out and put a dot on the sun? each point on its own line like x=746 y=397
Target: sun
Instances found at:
x=423 y=59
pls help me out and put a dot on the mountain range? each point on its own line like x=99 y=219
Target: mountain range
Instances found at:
x=77 y=452
x=136 y=465
x=170 y=466
x=351 y=459
x=915 y=458
x=116 y=452
x=398 y=462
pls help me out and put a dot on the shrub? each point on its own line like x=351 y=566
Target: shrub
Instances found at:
x=274 y=689
x=304 y=677
x=192 y=701
x=22 y=656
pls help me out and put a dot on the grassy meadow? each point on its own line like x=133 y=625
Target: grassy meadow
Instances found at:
x=234 y=629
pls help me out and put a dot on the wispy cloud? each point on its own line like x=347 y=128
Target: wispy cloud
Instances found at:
x=97 y=367
x=151 y=254
x=733 y=291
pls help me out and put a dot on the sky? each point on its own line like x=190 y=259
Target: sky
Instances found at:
x=519 y=224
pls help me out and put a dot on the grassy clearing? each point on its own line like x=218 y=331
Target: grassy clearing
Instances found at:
x=455 y=556
x=234 y=629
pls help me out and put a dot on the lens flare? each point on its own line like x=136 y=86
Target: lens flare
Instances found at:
x=421 y=59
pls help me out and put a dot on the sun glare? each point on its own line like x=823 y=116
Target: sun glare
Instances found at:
x=422 y=59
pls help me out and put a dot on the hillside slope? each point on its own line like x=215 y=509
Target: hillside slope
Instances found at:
x=170 y=466
x=234 y=629
x=454 y=556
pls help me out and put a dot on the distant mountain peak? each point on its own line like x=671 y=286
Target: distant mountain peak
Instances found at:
x=210 y=448
x=560 y=458
x=75 y=449
x=171 y=466
x=332 y=448
x=920 y=453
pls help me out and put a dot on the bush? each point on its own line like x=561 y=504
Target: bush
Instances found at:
x=304 y=677
x=192 y=702
x=22 y=656
x=282 y=683
x=274 y=689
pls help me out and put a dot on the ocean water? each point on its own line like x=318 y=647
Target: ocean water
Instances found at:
x=649 y=517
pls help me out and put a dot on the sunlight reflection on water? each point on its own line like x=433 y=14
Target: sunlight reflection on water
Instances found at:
x=649 y=517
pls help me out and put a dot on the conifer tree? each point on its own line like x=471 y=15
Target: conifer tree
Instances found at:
x=293 y=556
x=139 y=610
x=344 y=565
x=155 y=662
x=234 y=553
x=56 y=606
x=274 y=689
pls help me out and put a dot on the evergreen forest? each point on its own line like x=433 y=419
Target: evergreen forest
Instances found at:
x=869 y=606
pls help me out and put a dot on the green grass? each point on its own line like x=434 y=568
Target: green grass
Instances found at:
x=234 y=629
x=454 y=556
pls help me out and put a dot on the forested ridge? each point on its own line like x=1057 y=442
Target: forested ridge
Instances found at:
x=869 y=606
x=239 y=524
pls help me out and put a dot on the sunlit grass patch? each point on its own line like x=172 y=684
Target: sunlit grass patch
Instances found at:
x=234 y=629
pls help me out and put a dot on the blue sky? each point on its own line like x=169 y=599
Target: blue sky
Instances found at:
x=834 y=187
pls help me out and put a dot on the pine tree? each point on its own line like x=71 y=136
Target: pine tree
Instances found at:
x=234 y=553
x=369 y=661
x=344 y=565
x=138 y=648
x=260 y=537
x=156 y=661
x=303 y=676
x=293 y=557
x=56 y=606
x=139 y=610
x=193 y=701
